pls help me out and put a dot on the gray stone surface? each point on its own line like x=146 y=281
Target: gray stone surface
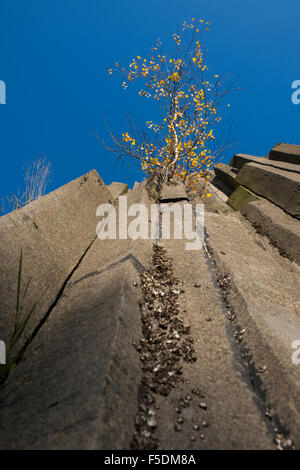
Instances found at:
x=240 y=197
x=286 y=152
x=233 y=414
x=106 y=253
x=116 y=189
x=173 y=192
x=53 y=233
x=282 y=229
x=263 y=295
x=240 y=159
x=217 y=202
x=81 y=374
x=280 y=187
x=223 y=187
x=226 y=174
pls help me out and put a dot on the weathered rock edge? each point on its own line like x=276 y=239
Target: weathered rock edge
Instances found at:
x=282 y=230
x=66 y=402
x=278 y=384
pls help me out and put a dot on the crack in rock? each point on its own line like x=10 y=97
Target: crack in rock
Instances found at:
x=281 y=434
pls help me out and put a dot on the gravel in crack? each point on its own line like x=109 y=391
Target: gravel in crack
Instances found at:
x=165 y=344
x=281 y=435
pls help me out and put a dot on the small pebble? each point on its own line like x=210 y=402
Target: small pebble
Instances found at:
x=203 y=405
x=202 y=436
x=177 y=428
x=151 y=421
x=205 y=424
x=268 y=414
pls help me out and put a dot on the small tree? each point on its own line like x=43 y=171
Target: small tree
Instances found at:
x=180 y=143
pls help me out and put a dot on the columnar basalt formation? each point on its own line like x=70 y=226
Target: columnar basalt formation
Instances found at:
x=140 y=343
x=267 y=191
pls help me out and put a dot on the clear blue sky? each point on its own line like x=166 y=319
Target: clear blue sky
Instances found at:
x=54 y=56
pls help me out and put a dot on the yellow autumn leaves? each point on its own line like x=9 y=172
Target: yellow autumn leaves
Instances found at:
x=189 y=108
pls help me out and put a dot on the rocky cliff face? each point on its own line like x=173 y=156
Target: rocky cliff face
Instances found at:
x=143 y=344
